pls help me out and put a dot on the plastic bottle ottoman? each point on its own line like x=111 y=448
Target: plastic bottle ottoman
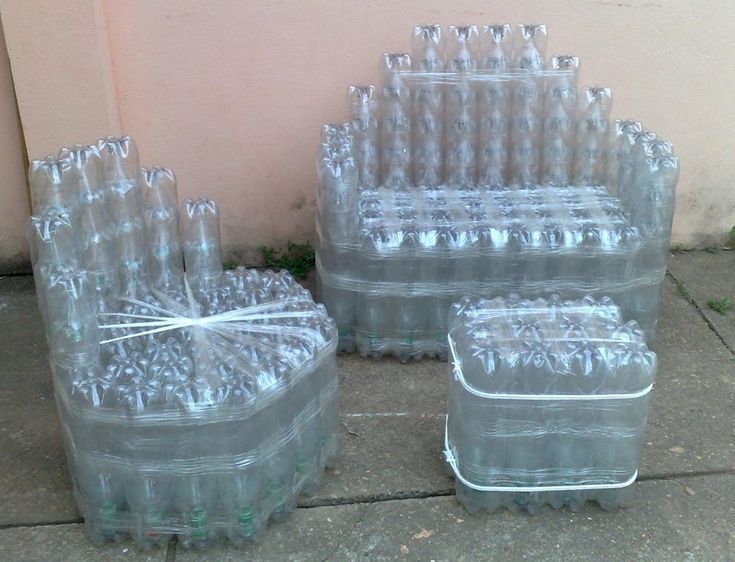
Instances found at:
x=548 y=401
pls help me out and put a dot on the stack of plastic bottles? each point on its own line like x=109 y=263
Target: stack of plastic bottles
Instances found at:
x=479 y=167
x=548 y=401
x=198 y=404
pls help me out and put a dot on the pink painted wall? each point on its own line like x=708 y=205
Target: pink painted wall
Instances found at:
x=231 y=94
x=14 y=201
x=60 y=61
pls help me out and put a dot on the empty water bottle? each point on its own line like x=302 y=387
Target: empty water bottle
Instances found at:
x=395 y=122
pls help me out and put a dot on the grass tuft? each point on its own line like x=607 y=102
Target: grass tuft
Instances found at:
x=721 y=305
x=683 y=291
x=298 y=259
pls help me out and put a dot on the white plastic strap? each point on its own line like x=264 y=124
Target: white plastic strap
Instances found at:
x=227 y=324
x=459 y=376
x=452 y=461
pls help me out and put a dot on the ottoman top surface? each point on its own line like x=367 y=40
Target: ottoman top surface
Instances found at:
x=548 y=348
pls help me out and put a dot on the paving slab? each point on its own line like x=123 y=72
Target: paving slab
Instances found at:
x=59 y=543
x=672 y=519
x=386 y=457
x=681 y=519
x=34 y=482
x=392 y=416
x=388 y=386
x=706 y=276
x=691 y=427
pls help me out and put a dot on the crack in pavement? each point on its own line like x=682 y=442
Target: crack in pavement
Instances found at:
x=171 y=549
x=693 y=474
x=377 y=498
x=425 y=494
x=354 y=526
x=77 y=521
x=387 y=497
x=699 y=310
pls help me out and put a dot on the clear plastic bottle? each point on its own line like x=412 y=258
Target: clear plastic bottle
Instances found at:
x=634 y=159
x=52 y=186
x=97 y=247
x=88 y=172
x=620 y=146
x=560 y=120
x=409 y=309
x=371 y=313
x=132 y=257
x=337 y=135
x=337 y=211
x=395 y=122
x=592 y=136
x=461 y=108
x=494 y=104
x=652 y=211
x=69 y=298
x=495 y=48
x=120 y=157
x=528 y=89
x=196 y=497
x=149 y=498
x=530 y=48
x=427 y=48
x=200 y=232
x=278 y=454
x=71 y=305
x=364 y=108
x=96 y=233
x=338 y=199
x=428 y=105
x=440 y=245
x=52 y=242
x=158 y=185
x=165 y=254
x=162 y=228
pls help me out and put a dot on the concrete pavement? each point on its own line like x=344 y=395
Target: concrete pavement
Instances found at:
x=389 y=496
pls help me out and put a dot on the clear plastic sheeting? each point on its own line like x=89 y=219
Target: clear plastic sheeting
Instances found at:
x=548 y=401
x=197 y=404
x=481 y=167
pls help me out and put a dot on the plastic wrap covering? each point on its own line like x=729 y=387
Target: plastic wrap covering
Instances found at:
x=198 y=404
x=548 y=401
x=514 y=179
